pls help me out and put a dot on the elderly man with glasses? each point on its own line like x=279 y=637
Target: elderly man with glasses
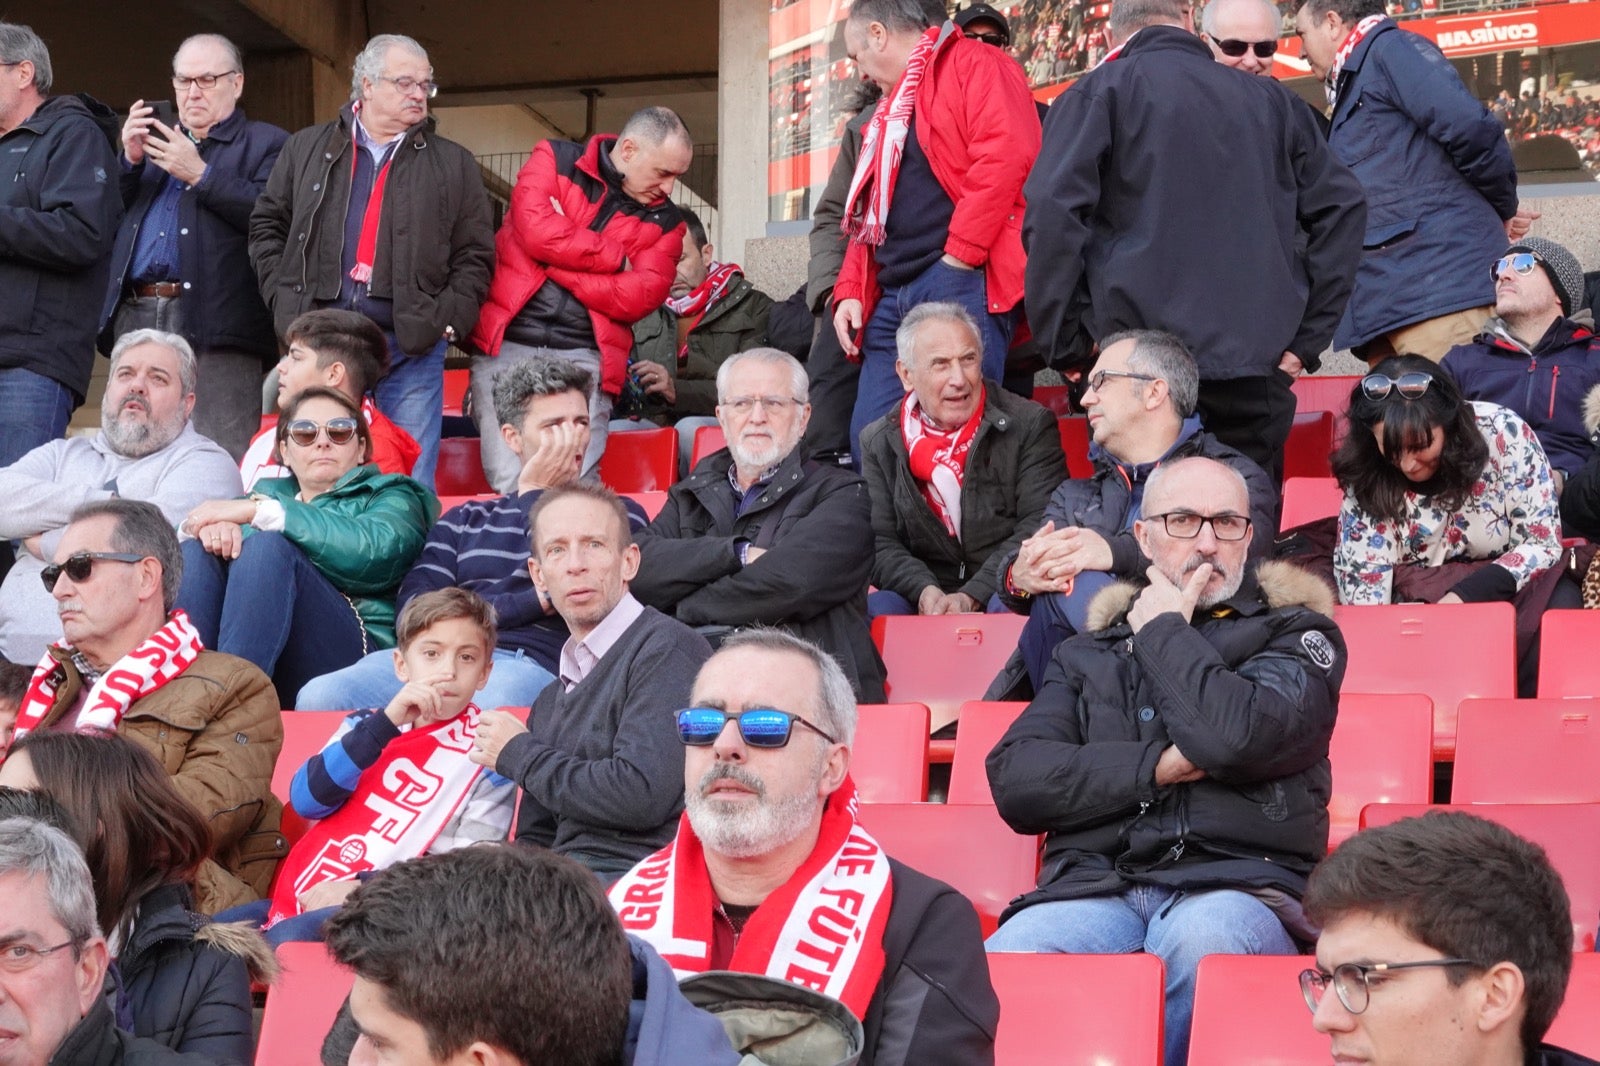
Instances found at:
x=1243 y=34
x=1176 y=757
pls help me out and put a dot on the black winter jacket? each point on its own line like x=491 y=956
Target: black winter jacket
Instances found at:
x=1248 y=691
x=1580 y=496
x=815 y=524
x=1546 y=1055
x=58 y=216
x=96 y=1041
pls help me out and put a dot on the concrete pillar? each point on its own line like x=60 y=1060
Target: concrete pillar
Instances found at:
x=741 y=124
x=293 y=89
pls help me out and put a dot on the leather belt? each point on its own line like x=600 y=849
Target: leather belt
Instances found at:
x=165 y=290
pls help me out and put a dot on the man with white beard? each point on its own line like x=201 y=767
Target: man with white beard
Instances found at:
x=146 y=450
x=770 y=873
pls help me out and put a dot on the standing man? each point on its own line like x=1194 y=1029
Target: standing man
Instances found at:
x=1172 y=194
x=1243 y=34
x=1440 y=185
x=377 y=213
x=58 y=217
x=181 y=260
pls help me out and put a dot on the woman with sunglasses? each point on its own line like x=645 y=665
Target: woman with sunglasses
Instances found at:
x=300 y=576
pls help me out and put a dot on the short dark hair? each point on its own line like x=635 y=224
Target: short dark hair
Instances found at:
x=515 y=388
x=423 y=612
x=655 y=125
x=321 y=392
x=14 y=680
x=697 y=229
x=1162 y=355
x=1349 y=11
x=1130 y=15
x=513 y=946
x=36 y=806
x=899 y=16
x=348 y=337
x=599 y=493
x=141 y=530
x=1466 y=887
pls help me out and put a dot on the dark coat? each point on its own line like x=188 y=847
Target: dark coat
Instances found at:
x=58 y=216
x=96 y=1041
x=815 y=524
x=827 y=240
x=1172 y=193
x=1248 y=691
x=1015 y=463
x=741 y=320
x=435 y=242
x=1439 y=184
x=222 y=306
x=1580 y=496
x=1546 y=1055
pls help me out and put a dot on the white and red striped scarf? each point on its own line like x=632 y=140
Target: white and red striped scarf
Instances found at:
x=159 y=658
x=706 y=294
x=1353 y=38
x=866 y=212
x=372 y=214
x=801 y=933
x=938 y=459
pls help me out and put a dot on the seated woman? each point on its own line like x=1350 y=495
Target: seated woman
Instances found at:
x=179 y=979
x=300 y=576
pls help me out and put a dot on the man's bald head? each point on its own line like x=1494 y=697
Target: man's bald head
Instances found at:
x=1229 y=24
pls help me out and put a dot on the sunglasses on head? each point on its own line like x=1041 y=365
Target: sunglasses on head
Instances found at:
x=304 y=432
x=79 y=565
x=1522 y=262
x=1411 y=385
x=1234 y=49
x=761 y=727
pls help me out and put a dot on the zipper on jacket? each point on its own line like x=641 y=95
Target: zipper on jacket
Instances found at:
x=1555 y=378
x=1533 y=371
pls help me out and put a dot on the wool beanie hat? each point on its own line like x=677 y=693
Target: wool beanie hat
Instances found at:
x=1562 y=267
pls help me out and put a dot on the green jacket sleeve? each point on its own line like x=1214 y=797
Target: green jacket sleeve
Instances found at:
x=364 y=541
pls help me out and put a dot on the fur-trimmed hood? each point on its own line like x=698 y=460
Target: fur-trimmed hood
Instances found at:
x=244 y=940
x=1591 y=410
x=1281 y=584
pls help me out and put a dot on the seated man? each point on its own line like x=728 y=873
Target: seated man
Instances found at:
x=1478 y=917
x=146 y=450
x=1177 y=754
x=601 y=776
x=1529 y=344
x=129 y=664
x=1141 y=407
x=759 y=534
x=942 y=534
x=771 y=873
x=343 y=350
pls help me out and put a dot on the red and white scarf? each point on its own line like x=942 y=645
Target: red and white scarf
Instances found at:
x=401 y=804
x=938 y=459
x=1355 y=36
x=372 y=214
x=159 y=658
x=823 y=928
x=866 y=212
x=706 y=294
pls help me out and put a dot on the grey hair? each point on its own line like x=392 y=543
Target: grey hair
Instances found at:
x=836 y=700
x=1175 y=468
x=36 y=850
x=516 y=388
x=235 y=57
x=369 y=64
x=899 y=16
x=905 y=338
x=799 y=383
x=187 y=373
x=651 y=126
x=1208 y=17
x=141 y=530
x=1162 y=355
x=1130 y=15
x=19 y=44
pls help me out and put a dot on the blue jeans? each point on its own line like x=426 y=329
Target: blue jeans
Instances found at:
x=301 y=929
x=412 y=395
x=1181 y=928
x=34 y=411
x=1055 y=617
x=371 y=682
x=879 y=388
x=272 y=607
x=885 y=602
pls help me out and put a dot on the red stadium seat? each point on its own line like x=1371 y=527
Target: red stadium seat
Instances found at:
x=1566 y=831
x=455 y=390
x=1075 y=443
x=1577 y=1024
x=944 y=660
x=1055 y=398
x=302 y=1004
x=1382 y=752
x=1447 y=651
x=460 y=470
x=645 y=460
x=1310 y=445
x=447 y=502
x=1324 y=392
x=982 y=726
x=1306 y=499
x=1111 y=1017
x=966 y=846
x=1568 y=666
x=304 y=734
x=652 y=502
x=889 y=761
x=707 y=439
x=1527 y=751
x=1248 y=1011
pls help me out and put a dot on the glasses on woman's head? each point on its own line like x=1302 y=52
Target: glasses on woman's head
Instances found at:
x=1352 y=982
x=761 y=727
x=1521 y=262
x=304 y=432
x=79 y=565
x=1411 y=385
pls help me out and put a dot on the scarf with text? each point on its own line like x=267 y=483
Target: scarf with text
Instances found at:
x=159 y=658
x=1362 y=28
x=822 y=929
x=938 y=459
x=400 y=805
x=866 y=213
x=367 y=245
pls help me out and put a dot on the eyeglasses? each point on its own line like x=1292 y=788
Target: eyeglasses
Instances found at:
x=1412 y=386
x=304 y=432
x=1522 y=262
x=207 y=82
x=743 y=405
x=20 y=958
x=997 y=39
x=1097 y=380
x=1352 y=981
x=407 y=86
x=761 y=727
x=1185 y=525
x=1234 y=49
x=80 y=565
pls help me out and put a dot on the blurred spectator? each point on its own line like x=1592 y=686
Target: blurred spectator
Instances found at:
x=14 y=678
x=1243 y=34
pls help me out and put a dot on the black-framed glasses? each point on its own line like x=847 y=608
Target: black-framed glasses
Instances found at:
x=20 y=958
x=1521 y=262
x=1352 y=981
x=304 y=432
x=1098 y=379
x=1185 y=525
x=1412 y=385
x=761 y=727
x=997 y=39
x=207 y=82
x=79 y=565
x=1234 y=49
x=407 y=86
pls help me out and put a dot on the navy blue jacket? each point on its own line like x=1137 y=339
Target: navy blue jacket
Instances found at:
x=222 y=306
x=664 y=1028
x=1439 y=181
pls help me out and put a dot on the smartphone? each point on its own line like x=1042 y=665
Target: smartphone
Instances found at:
x=165 y=112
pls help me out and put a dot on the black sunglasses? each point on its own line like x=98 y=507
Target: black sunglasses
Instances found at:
x=80 y=565
x=304 y=432
x=997 y=39
x=1235 y=49
x=761 y=727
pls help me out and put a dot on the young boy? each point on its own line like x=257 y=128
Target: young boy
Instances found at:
x=343 y=350
x=396 y=783
x=14 y=681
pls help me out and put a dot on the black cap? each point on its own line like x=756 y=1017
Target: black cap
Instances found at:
x=974 y=12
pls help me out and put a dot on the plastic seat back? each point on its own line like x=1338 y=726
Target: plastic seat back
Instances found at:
x=1324 y=392
x=944 y=660
x=1075 y=443
x=1568 y=667
x=1077 y=1010
x=1527 y=751
x=652 y=502
x=1248 y=1011
x=707 y=439
x=645 y=460
x=456 y=383
x=889 y=761
x=460 y=469
x=1306 y=499
x=1382 y=752
x=982 y=726
x=302 y=1004
x=1310 y=445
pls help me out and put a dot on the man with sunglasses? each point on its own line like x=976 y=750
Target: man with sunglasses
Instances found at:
x=771 y=873
x=1243 y=34
x=1446 y=940
x=1176 y=757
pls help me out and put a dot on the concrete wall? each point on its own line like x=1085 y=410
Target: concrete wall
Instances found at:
x=742 y=124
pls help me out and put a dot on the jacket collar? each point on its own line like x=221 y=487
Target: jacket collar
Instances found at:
x=713 y=473
x=1165 y=39
x=1353 y=64
x=225 y=131
x=1188 y=429
x=92 y=1042
x=995 y=416
x=1272 y=586
x=417 y=135
x=1562 y=332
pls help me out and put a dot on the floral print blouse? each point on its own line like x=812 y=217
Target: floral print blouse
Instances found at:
x=1510 y=517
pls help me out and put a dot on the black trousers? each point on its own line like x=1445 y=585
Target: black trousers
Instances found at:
x=833 y=393
x=1252 y=415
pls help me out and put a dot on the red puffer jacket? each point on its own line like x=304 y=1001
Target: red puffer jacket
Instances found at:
x=581 y=245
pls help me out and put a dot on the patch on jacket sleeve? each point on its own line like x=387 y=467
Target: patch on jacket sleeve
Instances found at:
x=1318 y=647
